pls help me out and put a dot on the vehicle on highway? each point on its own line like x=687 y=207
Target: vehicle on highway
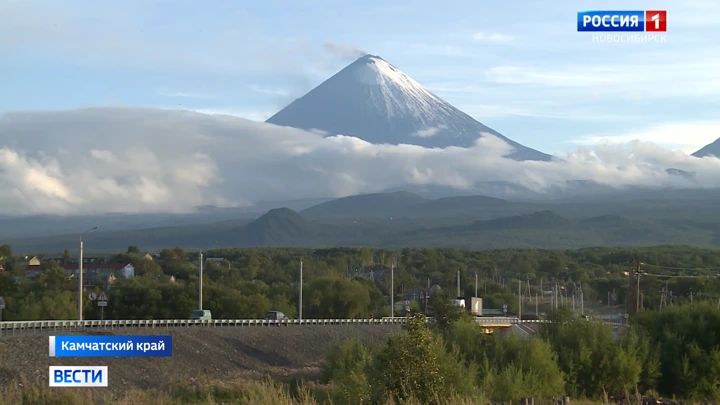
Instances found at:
x=275 y=316
x=201 y=314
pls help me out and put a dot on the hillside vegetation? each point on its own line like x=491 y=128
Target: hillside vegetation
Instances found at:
x=403 y=219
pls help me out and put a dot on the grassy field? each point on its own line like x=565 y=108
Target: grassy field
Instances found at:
x=241 y=392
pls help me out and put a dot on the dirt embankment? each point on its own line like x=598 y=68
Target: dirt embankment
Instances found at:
x=216 y=353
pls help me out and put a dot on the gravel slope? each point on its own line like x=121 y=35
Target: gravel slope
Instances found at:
x=221 y=352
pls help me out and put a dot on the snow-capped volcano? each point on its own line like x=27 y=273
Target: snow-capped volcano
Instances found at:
x=375 y=101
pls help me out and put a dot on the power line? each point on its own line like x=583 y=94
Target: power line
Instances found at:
x=679 y=268
x=677 y=276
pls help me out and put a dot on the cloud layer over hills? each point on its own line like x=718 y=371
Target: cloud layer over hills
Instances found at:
x=145 y=160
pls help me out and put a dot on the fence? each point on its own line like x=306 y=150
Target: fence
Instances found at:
x=21 y=326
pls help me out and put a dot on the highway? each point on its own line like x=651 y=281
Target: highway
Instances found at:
x=16 y=327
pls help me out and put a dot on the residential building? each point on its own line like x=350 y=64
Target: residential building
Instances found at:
x=33 y=261
x=103 y=270
x=91 y=271
x=75 y=259
x=146 y=256
x=32 y=271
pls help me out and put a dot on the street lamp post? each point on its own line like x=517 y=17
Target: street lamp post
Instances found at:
x=395 y=262
x=392 y=290
x=201 y=269
x=200 y=281
x=80 y=274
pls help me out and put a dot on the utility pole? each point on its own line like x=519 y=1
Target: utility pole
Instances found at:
x=537 y=309
x=458 y=282
x=637 y=274
x=300 y=303
x=80 y=275
x=200 y=281
x=476 y=284
x=519 y=299
x=392 y=290
x=662 y=298
x=80 y=282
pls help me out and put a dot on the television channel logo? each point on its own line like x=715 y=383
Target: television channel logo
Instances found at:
x=622 y=21
x=78 y=376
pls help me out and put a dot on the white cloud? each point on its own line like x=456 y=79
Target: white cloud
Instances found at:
x=139 y=160
x=678 y=77
x=687 y=137
x=253 y=115
x=491 y=37
x=592 y=91
x=429 y=132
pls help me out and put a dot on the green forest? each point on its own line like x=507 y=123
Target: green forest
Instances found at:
x=673 y=353
x=355 y=282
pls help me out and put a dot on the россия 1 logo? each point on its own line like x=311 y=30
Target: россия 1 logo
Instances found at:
x=652 y=23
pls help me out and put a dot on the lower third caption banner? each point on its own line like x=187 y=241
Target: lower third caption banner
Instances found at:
x=110 y=346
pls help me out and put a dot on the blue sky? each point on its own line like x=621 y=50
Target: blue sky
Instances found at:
x=519 y=67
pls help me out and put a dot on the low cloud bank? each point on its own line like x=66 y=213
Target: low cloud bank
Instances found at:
x=148 y=160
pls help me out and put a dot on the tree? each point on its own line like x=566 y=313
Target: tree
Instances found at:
x=443 y=309
x=337 y=298
x=415 y=365
x=146 y=267
x=5 y=252
x=66 y=256
x=133 y=249
x=593 y=361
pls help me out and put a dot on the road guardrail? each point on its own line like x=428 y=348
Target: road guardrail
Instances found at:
x=22 y=326
x=499 y=320
x=14 y=326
